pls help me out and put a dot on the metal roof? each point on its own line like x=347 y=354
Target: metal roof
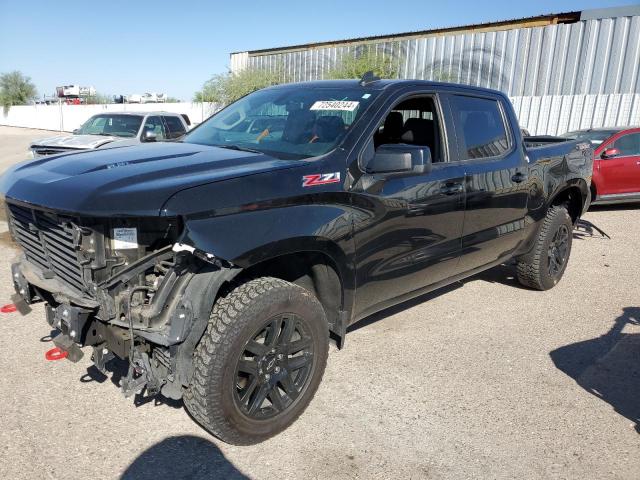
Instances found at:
x=550 y=18
x=565 y=17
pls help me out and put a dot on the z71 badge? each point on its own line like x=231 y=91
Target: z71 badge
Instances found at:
x=320 y=179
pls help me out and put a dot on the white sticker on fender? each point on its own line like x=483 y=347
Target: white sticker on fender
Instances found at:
x=347 y=106
x=124 y=238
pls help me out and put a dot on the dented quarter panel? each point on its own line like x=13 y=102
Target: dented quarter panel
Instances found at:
x=552 y=171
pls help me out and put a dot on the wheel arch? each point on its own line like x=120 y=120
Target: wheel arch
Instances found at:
x=318 y=265
x=575 y=195
x=316 y=269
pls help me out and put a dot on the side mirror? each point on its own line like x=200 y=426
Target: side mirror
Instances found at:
x=610 y=153
x=75 y=131
x=149 y=136
x=400 y=158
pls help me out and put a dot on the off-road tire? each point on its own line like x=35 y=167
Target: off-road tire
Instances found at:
x=234 y=318
x=533 y=267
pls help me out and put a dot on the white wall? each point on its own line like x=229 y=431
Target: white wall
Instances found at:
x=69 y=117
x=557 y=114
x=544 y=115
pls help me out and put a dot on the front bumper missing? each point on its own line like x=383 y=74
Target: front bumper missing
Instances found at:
x=80 y=322
x=72 y=321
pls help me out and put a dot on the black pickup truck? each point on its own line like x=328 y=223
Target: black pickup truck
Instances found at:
x=221 y=265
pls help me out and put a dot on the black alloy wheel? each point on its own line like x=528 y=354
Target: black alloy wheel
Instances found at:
x=274 y=367
x=259 y=362
x=557 y=252
x=544 y=265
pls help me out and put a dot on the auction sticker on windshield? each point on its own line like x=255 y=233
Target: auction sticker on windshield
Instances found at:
x=124 y=238
x=344 y=105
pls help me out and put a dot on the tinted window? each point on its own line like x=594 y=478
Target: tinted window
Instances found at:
x=155 y=125
x=481 y=124
x=175 y=126
x=629 y=145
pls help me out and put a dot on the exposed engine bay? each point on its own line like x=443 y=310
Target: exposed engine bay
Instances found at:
x=117 y=285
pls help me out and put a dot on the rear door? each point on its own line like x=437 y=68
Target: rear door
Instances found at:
x=496 y=183
x=621 y=174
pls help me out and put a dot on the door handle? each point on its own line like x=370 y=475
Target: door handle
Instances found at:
x=519 y=177
x=451 y=188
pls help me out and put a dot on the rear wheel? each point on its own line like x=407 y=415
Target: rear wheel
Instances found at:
x=260 y=361
x=543 y=267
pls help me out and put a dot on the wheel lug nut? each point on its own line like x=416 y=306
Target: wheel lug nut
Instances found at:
x=267 y=376
x=277 y=369
x=280 y=357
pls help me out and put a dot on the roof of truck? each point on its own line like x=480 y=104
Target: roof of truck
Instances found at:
x=381 y=84
x=155 y=112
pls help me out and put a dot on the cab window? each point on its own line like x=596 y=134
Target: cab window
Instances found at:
x=155 y=125
x=483 y=132
x=413 y=121
x=175 y=127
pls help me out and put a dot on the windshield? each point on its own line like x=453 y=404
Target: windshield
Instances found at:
x=289 y=123
x=111 y=125
x=595 y=137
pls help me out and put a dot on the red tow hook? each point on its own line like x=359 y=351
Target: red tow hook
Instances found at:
x=8 y=308
x=56 y=353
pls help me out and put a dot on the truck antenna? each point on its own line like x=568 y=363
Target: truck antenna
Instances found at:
x=368 y=78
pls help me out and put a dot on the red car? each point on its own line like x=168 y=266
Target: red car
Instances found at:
x=616 y=166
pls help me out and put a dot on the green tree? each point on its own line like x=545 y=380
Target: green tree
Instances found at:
x=98 y=99
x=16 y=89
x=363 y=61
x=225 y=88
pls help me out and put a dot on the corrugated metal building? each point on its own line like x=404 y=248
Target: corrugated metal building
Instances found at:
x=562 y=71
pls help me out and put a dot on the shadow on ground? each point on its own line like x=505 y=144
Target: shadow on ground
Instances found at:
x=614 y=207
x=608 y=366
x=183 y=456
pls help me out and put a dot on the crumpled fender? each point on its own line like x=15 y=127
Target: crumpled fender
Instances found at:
x=246 y=221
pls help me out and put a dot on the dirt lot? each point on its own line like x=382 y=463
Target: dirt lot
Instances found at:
x=483 y=379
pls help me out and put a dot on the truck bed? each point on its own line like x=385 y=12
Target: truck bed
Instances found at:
x=534 y=141
x=547 y=147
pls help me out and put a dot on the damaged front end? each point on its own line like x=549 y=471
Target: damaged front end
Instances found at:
x=118 y=285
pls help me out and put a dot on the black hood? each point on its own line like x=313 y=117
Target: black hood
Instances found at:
x=129 y=181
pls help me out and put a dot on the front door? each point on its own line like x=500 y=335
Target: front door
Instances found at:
x=407 y=228
x=621 y=174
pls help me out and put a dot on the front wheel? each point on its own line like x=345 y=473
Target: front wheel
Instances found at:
x=543 y=267
x=260 y=361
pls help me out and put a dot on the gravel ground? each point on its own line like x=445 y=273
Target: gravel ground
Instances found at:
x=483 y=379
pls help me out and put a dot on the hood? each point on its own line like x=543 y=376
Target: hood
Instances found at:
x=131 y=181
x=75 y=141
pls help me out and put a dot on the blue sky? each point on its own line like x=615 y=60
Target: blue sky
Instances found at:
x=174 y=46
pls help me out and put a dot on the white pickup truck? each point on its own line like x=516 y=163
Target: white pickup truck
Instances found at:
x=108 y=130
